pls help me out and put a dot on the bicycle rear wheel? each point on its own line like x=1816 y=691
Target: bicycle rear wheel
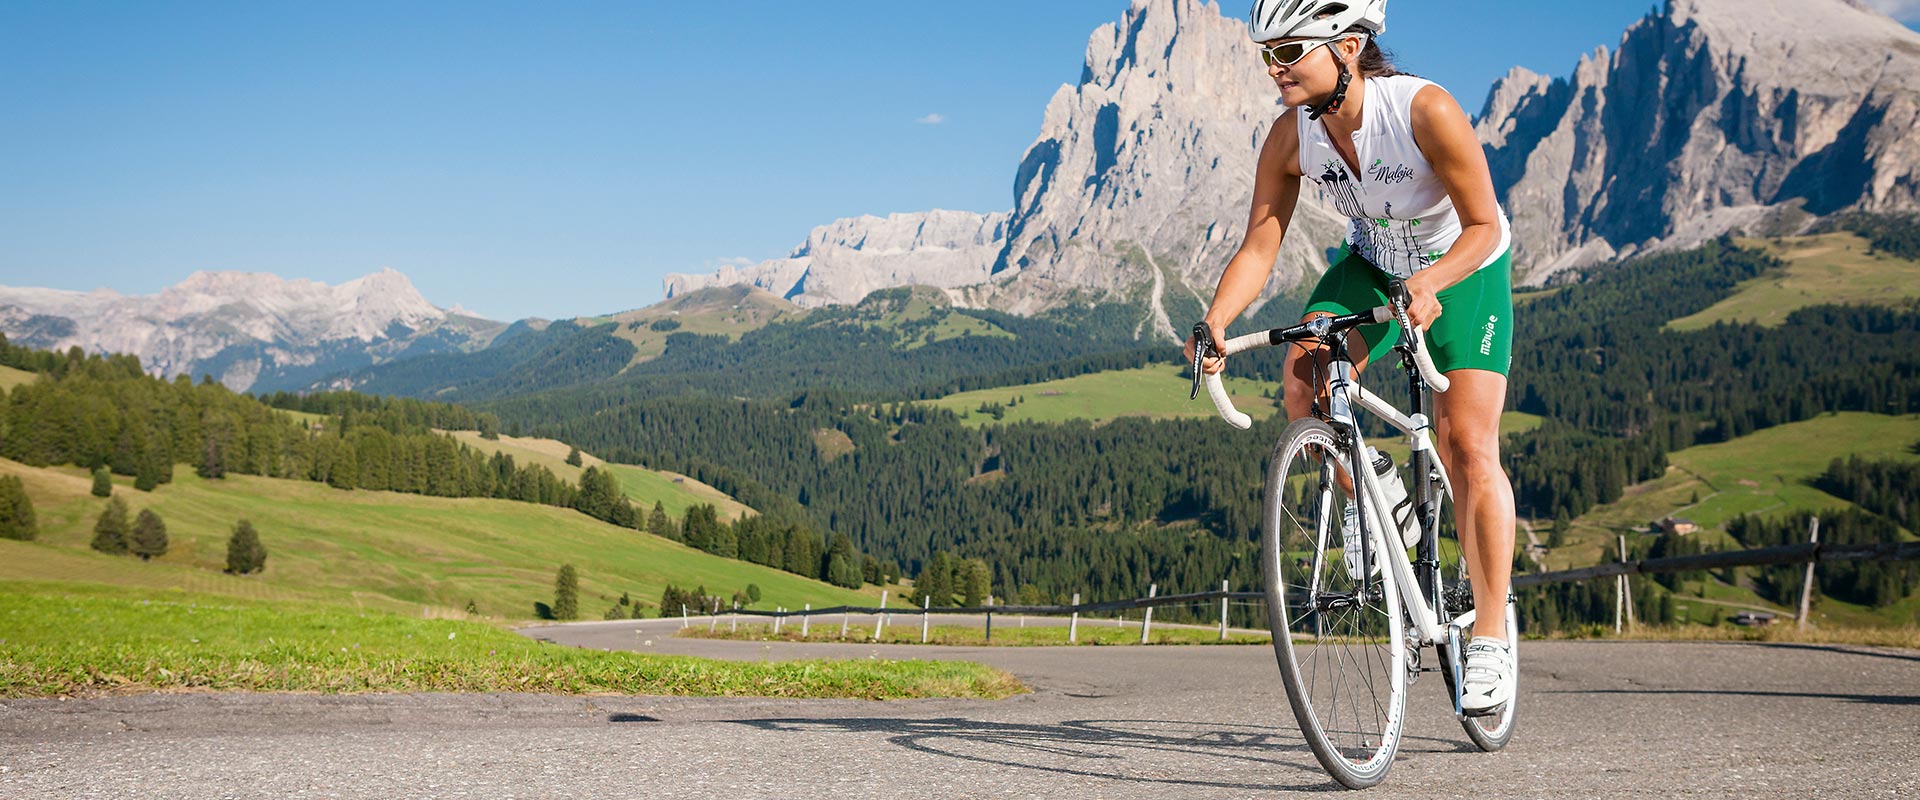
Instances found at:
x=1338 y=637
x=1489 y=732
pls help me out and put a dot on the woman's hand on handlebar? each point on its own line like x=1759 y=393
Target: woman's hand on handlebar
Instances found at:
x=1423 y=305
x=1214 y=363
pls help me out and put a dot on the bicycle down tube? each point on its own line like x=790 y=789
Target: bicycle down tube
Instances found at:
x=1344 y=392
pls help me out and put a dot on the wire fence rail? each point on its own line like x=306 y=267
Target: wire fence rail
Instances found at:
x=1807 y=553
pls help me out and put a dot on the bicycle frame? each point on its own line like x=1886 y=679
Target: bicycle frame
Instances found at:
x=1420 y=593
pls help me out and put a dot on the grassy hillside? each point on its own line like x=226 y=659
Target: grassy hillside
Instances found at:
x=377 y=550
x=1763 y=472
x=674 y=491
x=726 y=310
x=1158 y=392
x=64 y=639
x=1830 y=268
x=11 y=377
x=917 y=305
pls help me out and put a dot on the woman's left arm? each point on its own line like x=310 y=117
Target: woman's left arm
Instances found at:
x=1445 y=136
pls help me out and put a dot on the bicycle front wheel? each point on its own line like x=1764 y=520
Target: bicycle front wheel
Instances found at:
x=1336 y=631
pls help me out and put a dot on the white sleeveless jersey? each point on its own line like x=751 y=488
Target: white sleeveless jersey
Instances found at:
x=1403 y=220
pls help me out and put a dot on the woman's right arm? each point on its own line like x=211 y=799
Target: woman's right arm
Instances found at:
x=1276 y=186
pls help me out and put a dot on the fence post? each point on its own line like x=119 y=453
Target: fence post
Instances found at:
x=926 y=604
x=1073 y=622
x=733 y=621
x=1806 y=585
x=1223 y=610
x=1146 y=620
x=683 y=615
x=714 y=621
x=1619 y=590
x=777 y=612
x=1626 y=586
x=845 y=617
x=880 y=619
x=805 y=618
x=989 y=618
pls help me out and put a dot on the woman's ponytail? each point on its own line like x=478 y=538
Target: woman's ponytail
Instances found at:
x=1377 y=63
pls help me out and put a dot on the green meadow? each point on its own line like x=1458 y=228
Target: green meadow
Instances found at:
x=10 y=377
x=1765 y=472
x=67 y=639
x=1830 y=268
x=675 y=492
x=380 y=551
x=1158 y=392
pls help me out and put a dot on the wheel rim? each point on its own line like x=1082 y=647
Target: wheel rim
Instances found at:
x=1344 y=632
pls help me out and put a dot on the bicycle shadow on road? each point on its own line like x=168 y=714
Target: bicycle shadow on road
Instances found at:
x=1879 y=699
x=1143 y=751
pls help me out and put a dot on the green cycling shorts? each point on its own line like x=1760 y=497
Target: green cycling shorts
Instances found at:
x=1475 y=328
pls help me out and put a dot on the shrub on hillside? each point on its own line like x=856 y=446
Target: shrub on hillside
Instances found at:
x=566 y=593
x=16 y=511
x=102 y=482
x=149 y=535
x=245 y=553
x=110 y=530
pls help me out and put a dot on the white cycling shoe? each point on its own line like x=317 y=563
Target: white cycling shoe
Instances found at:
x=1489 y=676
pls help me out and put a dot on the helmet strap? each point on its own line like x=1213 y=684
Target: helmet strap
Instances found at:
x=1339 y=95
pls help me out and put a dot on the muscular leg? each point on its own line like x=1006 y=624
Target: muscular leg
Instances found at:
x=1468 y=423
x=1297 y=391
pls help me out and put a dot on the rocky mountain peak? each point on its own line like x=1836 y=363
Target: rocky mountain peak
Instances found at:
x=1711 y=115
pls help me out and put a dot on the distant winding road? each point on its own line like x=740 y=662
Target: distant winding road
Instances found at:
x=1600 y=720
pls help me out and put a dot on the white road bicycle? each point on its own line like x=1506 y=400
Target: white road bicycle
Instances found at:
x=1349 y=640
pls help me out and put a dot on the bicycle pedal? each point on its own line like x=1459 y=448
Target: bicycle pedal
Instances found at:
x=1485 y=712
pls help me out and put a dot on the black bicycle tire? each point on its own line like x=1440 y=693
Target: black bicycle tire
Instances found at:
x=1311 y=730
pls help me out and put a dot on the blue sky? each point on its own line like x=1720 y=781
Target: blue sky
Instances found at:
x=554 y=159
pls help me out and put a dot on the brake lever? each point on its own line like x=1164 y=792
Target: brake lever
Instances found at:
x=1202 y=345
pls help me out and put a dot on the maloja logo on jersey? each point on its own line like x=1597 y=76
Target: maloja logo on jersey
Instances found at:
x=1389 y=175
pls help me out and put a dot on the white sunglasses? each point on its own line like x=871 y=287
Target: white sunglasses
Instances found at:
x=1287 y=53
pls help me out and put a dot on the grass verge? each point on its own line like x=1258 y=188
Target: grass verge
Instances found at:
x=1091 y=633
x=63 y=640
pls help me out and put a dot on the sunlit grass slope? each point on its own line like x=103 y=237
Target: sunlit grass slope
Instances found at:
x=68 y=639
x=1830 y=268
x=377 y=550
x=674 y=492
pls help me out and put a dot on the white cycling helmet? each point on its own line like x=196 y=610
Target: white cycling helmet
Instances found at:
x=1316 y=19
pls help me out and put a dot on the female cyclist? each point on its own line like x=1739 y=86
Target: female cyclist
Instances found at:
x=1397 y=155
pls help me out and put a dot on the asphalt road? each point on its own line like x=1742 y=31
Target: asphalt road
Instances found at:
x=1599 y=719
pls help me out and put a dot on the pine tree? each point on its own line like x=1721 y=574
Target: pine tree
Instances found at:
x=1558 y=536
x=753 y=592
x=102 y=482
x=935 y=584
x=149 y=535
x=16 y=511
x=245 y=553
x=566 y=593
x=110 y=531
x=573 y=456
x=213 y=460
x=659 y=524
x=978 y=584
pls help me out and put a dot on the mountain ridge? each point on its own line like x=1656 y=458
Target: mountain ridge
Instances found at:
x=1755 y=127
x=249 y=330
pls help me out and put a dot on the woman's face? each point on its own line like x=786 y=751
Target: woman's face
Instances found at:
x=1313 y=76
